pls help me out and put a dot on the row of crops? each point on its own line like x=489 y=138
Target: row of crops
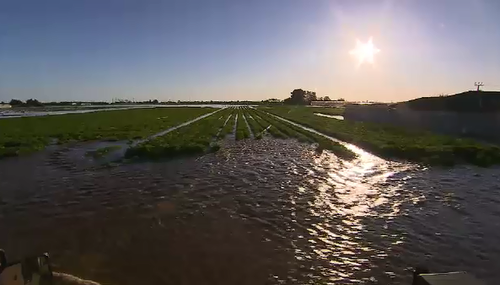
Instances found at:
x=25 y=135
x=141 y=128
x=239 y=123
x=395 y=142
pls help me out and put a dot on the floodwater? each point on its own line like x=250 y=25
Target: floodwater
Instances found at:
x=35 y=112
x=256 y=212
x=338 y=117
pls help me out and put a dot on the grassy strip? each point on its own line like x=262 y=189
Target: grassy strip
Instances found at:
x=222 y=119
x=255 y=115
x=274 y=131
x=193 y=139
x=29 y=134
x=246 y=118
x=228 y=128
x=285 y=128
x=394 y=142
x=334 y=111
x=101 y=152
x=241 y=127
x=306 y=136
x=257 y=128
x=327 y=110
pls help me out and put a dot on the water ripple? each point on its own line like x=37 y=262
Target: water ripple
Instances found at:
x=265 y=212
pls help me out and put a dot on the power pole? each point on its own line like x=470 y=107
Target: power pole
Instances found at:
x=478 y=85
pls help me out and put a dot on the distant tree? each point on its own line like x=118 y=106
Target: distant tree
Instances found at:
x=16 y=102
x=298 y=96
x=272 y=100
x=33 y=103
x=341 y=99
x=310 y=96
x=2 y=103
x=301 y=97
x=326 y=98
x=155 y=101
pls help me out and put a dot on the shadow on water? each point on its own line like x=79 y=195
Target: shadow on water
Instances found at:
x=256 y=212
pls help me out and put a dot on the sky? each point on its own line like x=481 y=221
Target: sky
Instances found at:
x=97 y=50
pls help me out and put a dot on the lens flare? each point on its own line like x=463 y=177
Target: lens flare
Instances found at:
x=364 y=52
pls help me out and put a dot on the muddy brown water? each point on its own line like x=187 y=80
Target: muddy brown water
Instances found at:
x=259 y=212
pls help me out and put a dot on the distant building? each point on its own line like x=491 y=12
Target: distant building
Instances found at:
x=5 y=106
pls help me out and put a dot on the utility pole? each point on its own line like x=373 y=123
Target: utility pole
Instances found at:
x=478 y=85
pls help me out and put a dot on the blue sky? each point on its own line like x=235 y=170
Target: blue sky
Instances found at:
x=245 y=49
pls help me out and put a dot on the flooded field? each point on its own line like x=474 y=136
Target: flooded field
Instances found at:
x=265 y=212
x=52 y=111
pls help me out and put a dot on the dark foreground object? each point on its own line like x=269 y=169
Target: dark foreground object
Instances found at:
x=450 y=278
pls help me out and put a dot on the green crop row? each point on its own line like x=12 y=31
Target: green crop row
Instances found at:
x=327 y=110
x=395 y=142
x=334 y=111
x=197 y=137
x=29 y=134
x=228 y=128
x=285 y=128
x=241 y=127
x=255 y=126
x=289 y=130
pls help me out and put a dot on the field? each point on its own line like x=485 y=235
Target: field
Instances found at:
x=24 y=135
x=204 y=135
x=326 y=110
x=394 y=142
x=148 y=131
x=197 y=137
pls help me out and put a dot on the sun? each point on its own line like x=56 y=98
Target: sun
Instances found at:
x=364 y=52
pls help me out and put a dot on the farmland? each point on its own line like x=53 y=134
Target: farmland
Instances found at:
x=149 y=133
x=167 y=201
x=25 y=135
x=205 y=135
x=396 y=143
x=150 y=136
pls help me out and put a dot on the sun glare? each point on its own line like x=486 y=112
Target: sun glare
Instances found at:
x=364 y=52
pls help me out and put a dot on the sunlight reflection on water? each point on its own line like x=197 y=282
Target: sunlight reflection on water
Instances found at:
x=269 y=212
x=345 y=192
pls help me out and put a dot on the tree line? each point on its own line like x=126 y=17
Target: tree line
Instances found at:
x=303 y=97
x=28 y=103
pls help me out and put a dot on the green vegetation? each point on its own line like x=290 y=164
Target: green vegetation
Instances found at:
x=24 y=135
x=334 y=111
x=195 y=138
x=29 y=134
x=470 y=101
x=201 y=136
x=228 y=128
x=327 y=110
x=241 y=127
x=285 y=129
x=255 y=126
x=101 y=152
x=395 y=142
